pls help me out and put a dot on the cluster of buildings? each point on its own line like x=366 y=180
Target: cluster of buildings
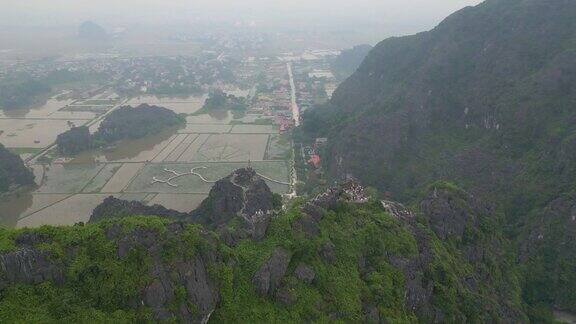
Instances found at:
x=137 y=75
x=314 y=80
x=172 y=75
x=311 y=153
x=272 y=97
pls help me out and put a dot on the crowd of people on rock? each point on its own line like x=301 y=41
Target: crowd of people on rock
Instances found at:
x=354 y=192
x=350 y=191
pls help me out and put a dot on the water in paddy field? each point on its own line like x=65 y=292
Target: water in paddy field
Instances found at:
x=180 y=105
x=68 y=190
x=43 y=110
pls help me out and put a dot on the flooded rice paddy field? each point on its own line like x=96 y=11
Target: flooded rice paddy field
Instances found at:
x=44 y=110
x=37 y=127
x=175 y=168
x=32 y=133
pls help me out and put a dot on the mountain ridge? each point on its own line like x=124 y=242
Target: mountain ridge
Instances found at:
x=339 y=256
x=486 y=101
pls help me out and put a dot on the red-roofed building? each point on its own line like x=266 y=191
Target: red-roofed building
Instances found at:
x=315 y=160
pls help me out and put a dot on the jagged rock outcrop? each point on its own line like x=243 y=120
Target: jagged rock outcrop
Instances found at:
x=450 y=211
x=397 y=210
x=268 y=278
x=29 y=266
x=13 y=171
x=113 y=207
x=242 y=197
x=464 y=223
x=419 y=290
x=191 y=274
x=242 y=194
x=305 y=273
x=177 y=270
x=74 y=141
x=178 y=284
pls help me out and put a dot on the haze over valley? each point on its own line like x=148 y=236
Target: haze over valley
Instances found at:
x=287 y=161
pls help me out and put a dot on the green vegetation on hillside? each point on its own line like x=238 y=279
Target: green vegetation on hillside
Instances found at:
x=123 y=123
x=485 y=100
x=132 y=123
x=349 y=60
x=360 y=261
x=98 y=286
x=339 y=287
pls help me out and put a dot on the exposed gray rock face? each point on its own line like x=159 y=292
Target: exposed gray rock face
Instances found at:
x=244 y=196
x=305 y=273
x=200 y=290
x=224 y=202
x=267 y=279
x=191 y=274
x=558 y=217
x=418 y=291
x=327 y=252
x=285 y=296
x=397 y=210
x=450 y=212
x=308 y=225
x=232 y=237
x=372 y=315
x=552 y=232
x=29 y=266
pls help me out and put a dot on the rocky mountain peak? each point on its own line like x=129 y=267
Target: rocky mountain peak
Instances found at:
x=241 y=194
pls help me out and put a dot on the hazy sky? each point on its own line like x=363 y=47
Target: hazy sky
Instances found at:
x=411 y=15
